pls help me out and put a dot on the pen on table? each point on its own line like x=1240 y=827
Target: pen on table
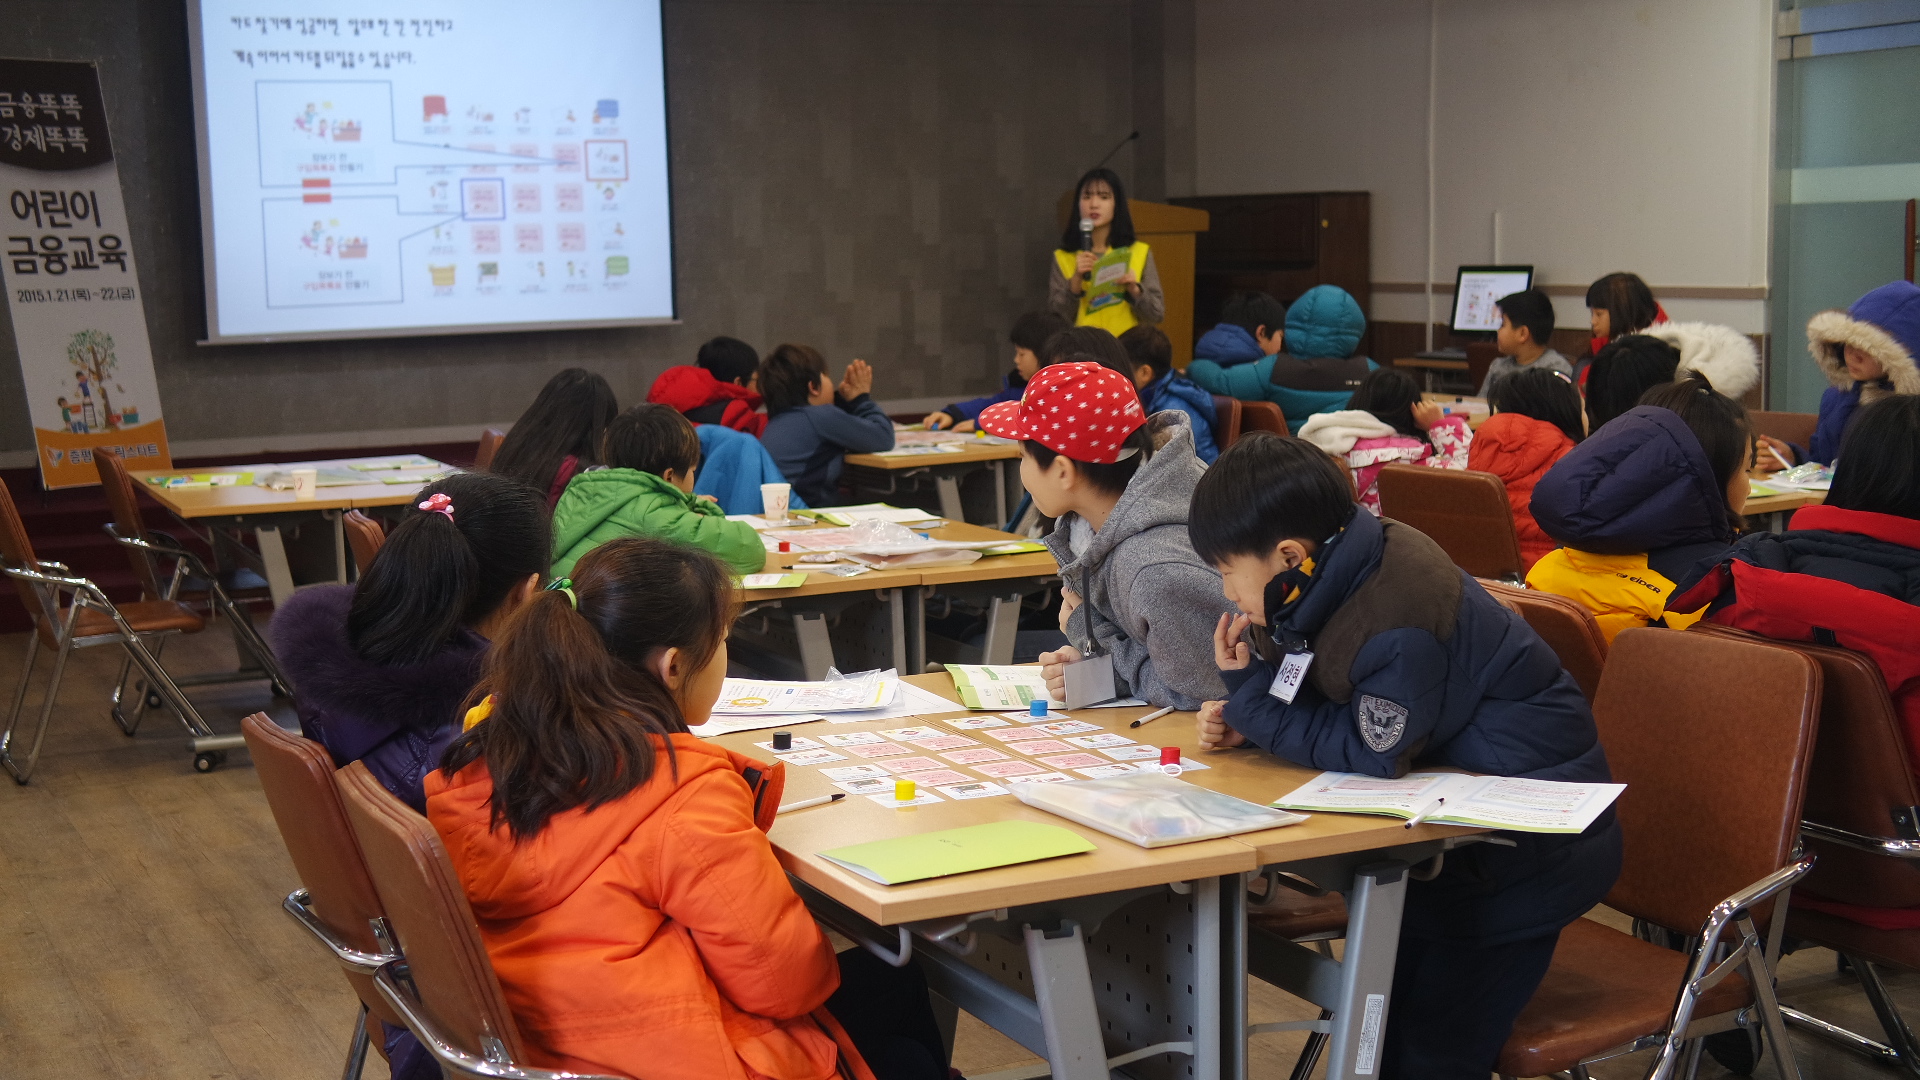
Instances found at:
x=804 y=803
x=1784 y=463
x=1151 y=717
x=1426 y=812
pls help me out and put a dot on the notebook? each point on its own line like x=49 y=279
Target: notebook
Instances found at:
x=957 y=851
x=1498 y=802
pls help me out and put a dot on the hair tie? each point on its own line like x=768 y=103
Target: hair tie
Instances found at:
x=565 y=585
x=438 y=503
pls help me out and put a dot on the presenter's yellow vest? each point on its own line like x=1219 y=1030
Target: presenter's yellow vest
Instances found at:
x=1115 y=319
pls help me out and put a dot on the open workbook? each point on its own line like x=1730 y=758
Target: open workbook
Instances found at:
x=1496 y=802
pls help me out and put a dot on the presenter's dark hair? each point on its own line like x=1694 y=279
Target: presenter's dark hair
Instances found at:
x=1120 y=233
x=1090 y=343
x=1879 y=466
x=1109 y=478
x=651 y=438
x=1252 y=310
x=579 y=714
x=1547 y=396
x=1628 y=302
x=1390 y=395
x=1031 y=331
x=1147 y=344
x=1623 y=371
x=1264 y=489
x=728 y=359
x=568 y=416
x=1716 y=420
x=788 y=375
x=435 y=574
x=1529 y=309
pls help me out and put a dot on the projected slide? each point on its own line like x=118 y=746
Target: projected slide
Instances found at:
x=436 y=168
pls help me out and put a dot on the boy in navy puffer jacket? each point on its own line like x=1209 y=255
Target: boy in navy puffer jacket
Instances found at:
x=1411 y=665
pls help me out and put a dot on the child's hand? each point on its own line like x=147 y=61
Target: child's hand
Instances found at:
x=936 y=421
x=1763 y=461
x=708 y=498
x=1069 y=600
x=1230 y=653
x=1053 y=667
x=858 y=380
x=965 y=427
x=1214 y=732
x=1426 y=414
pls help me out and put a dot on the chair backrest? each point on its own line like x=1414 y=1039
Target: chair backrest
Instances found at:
x=124 y=501
x=432 y=922
x=17 y=550
x=1466 y=513
x=1862 y=780
x=1226 y=420
x=490 y=440
x=1713 y=738
x=297 y=775
x=1565 y=625
x=1262 y=416
x=1792 y=427
x=364 y=536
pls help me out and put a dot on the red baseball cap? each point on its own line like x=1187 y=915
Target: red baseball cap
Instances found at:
x=1084 y=411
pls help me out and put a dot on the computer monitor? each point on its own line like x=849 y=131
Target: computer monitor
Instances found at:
x=1477 y=287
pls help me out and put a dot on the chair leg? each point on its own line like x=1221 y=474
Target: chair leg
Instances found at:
x=1310 y=1053
x=1899 y=1036
x=1771 y=1019
x=158 y=680
x=118 y=704
x=20 y=693
x=22 y=772
x=357 y=1049
x=1694 y=1051
x=247 y=637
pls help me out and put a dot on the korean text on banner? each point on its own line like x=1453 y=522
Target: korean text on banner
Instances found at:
x=72 y=287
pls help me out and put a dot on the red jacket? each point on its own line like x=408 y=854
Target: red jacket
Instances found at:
x=655 y=936
x=1519 y=450
x=688 y=388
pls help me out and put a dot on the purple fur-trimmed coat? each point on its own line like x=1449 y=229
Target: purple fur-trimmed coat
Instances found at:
x=396 y=719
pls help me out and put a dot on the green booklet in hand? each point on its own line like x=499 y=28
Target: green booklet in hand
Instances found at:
x=1105 y=290
x=958 y=851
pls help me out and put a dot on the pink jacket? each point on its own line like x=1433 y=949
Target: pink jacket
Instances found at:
x=1368 y=444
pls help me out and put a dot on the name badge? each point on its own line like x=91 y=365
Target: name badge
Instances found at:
x=1293 y=672
x=1090 y=681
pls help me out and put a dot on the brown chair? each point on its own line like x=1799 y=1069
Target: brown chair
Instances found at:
x=1294 y=909
x=1790 y=427
x=190 y=582
x=364 y=536
x=1262 y=416
x=1226 y=421
x=1466 y=513
x=1563 y=624
x=444 y=988
x=336 y=901
x=1862 y=820
x=1713 y=739
x=70 y=612
x=489 y=445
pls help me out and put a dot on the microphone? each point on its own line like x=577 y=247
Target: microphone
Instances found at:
x=1086 y=243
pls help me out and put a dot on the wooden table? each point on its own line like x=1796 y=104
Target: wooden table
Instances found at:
x=208 y=510
x=1143 y=945
x=1427 y=365
x=1778 y=508
x=946 y=469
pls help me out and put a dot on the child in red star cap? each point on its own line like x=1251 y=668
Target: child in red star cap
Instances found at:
x=1118 y=484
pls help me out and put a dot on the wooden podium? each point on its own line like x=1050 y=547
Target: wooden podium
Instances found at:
x=1169 y=231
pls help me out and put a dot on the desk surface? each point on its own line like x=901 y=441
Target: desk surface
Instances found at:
x=1430 y=364
x=249 y=499
x=970 y=453
x=988 y=568
x=1786 y=500
x=1113 y=865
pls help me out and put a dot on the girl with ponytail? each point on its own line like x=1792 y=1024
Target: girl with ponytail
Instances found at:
x=619 y=866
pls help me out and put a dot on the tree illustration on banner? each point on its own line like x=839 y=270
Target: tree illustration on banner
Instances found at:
x=91 y=351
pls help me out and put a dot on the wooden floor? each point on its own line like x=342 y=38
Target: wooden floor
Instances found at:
x=141 y=936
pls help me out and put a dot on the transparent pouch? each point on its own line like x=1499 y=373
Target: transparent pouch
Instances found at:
x=1152 y=809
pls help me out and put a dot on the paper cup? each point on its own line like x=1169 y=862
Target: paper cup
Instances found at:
x=306 y=483
x=773 y=501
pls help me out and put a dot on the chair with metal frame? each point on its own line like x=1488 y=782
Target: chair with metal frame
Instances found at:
x=1713 y=739
x=1466 y=513
x=364 y=536
x=1226 y=421
x=336 y=902
x=489 y=445
x=443 y=986
x=71 y=612
x=1862 y=819
x=1262 y=416
x=1565 y=625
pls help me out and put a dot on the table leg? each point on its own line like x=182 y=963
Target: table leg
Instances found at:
x=897 y=627
x=273 y=556
x=916 y=629
x=949 y=487
x=999 y=494
x=1232 y=908
x=338 y=519
x=1003 y=625
x=1064 y=991
x=816 y=647
x=1366 y=970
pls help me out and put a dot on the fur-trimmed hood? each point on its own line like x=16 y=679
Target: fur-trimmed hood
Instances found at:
x=1885 y=323
x=1724 y=355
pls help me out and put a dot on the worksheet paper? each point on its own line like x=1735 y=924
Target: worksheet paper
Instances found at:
x=739 y=697
x=1499 y=802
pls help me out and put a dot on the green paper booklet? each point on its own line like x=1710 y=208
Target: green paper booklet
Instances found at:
x=957 y=851
x=1000 y=687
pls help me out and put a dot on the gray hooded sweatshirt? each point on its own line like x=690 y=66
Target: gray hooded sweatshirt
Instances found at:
x=1146 y=598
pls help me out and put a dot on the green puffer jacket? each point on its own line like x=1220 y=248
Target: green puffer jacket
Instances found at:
x=606 y=504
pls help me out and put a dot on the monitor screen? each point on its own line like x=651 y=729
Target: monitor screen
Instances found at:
x=426 y=167
x=1475 y=290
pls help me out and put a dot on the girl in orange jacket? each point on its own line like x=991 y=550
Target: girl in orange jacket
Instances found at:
x=1536 y=420
x=619 y=866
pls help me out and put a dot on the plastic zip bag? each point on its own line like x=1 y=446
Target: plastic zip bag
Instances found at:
x=1152 y=809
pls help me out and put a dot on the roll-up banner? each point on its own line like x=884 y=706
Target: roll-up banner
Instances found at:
x=72 y=288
